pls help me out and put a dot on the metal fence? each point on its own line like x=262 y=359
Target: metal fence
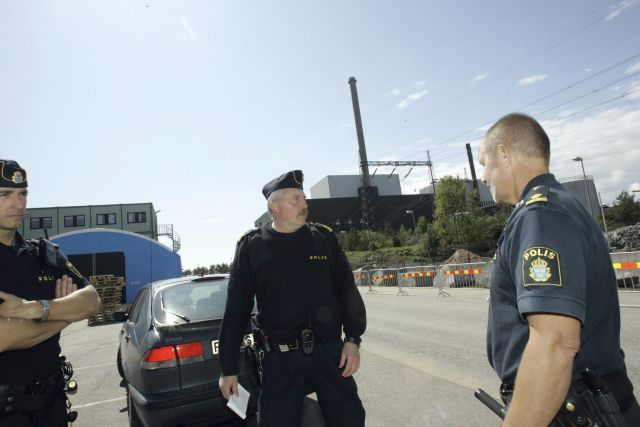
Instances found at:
x=475 y=275
x=439 y=276
x=627 y=268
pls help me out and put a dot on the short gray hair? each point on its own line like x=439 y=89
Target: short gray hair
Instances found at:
x=273 y=197
x=523 y=133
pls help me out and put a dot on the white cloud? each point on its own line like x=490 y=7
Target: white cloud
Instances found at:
x=478 y=78
x=606 y=140
x=588 y=70
x=535 y=78
x=217 y=220
x=420 y=84
x=189 y=28
x=633 y=91
x=620 y=7
x=411 y=98
x=633 y=69
x=393 y=92
x=482 y=129
x=634 y=186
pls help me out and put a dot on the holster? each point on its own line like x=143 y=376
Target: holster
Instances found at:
x=590 y=406
x=577 y=410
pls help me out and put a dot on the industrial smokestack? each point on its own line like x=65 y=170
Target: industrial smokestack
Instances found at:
x=364 y=165
x=473 y=169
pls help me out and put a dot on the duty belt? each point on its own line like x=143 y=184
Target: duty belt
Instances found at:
x=283 y=348
x=617 y=382
x=35 y=397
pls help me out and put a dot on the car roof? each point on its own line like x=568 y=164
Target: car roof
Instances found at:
x=160 y=284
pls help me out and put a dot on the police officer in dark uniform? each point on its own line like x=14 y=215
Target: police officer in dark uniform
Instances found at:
x=554 y=307
x=306 y=297
x=40 y=294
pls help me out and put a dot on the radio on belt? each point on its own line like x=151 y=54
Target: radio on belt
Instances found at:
x=307 y=341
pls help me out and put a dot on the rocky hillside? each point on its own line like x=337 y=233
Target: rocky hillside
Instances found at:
x=625 y=239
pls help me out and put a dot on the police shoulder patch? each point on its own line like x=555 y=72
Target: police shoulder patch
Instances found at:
x=322 y=226
x=248 y=233
x=541 y=267
x=538 y=195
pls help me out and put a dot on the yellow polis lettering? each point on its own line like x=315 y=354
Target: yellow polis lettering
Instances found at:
x=540 y=252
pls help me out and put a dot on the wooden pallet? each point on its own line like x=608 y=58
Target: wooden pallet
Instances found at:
x=109 y=288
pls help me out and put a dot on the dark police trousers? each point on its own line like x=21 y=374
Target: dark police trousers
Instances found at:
x=45 y=396
x=287 y=376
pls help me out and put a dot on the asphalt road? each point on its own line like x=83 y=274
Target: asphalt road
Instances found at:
x=422 y=359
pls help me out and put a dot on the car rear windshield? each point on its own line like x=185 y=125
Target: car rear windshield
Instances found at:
x=190 y=302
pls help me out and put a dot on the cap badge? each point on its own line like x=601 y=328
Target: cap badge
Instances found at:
x=17 y=177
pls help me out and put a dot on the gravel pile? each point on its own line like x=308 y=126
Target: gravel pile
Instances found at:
x=625 y=238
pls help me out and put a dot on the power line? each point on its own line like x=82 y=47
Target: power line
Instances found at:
x=572 y=85
x=616 y=98
x=499 y=76
x=587 y=93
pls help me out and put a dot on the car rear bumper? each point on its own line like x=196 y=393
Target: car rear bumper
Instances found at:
x=195 y=406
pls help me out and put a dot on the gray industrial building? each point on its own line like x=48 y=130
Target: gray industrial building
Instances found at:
x=337 y=186
x=135 y=217
x=486 y=199
x=584 y=189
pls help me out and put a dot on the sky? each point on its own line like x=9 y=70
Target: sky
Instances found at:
x=195 y=105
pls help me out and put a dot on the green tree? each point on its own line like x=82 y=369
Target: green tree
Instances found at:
x=421 y=225
x=460 y=222
x=625 y=211
x=403 y=235
x=200 y=271
x=451 y=203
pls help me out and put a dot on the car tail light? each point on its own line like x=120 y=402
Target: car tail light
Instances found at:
x=190 y=353
x=168 y=356
x=161 y=357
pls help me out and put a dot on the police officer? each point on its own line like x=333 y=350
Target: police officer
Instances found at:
x=40 y=294
x=306 y=297
x=554 y=307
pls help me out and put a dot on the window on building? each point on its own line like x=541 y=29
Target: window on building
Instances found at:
x=41 y=222
x=106 y=219
x=74 y=221
x=133 y=217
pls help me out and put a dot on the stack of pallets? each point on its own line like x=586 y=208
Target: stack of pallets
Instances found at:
x=109 y=289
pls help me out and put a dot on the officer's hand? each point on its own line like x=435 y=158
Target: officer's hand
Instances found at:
x=16 y=307
x=65 y=286
x=12 y=305
x=350 y=359
x=228 y=385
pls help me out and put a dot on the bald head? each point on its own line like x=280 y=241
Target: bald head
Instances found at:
x=523 y=134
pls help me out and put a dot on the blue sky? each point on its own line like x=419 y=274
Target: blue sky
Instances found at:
x=194 y=105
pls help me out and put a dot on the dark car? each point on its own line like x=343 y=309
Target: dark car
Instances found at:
x=168 y=355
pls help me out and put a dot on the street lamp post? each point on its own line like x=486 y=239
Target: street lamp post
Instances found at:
x=414 y=220
x=586 y=189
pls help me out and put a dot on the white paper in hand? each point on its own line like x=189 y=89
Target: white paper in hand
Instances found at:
x=239 y=404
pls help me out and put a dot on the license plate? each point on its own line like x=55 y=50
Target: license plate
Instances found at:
x=247 y=338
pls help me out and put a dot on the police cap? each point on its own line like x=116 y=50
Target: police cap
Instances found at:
x=12 y=175
x=291 y=179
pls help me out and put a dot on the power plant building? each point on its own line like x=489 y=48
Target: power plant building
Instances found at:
x=337 y=186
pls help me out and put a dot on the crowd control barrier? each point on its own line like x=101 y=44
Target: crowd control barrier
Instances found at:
x=475 y=275
x=363 y=278
x=627 y=268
